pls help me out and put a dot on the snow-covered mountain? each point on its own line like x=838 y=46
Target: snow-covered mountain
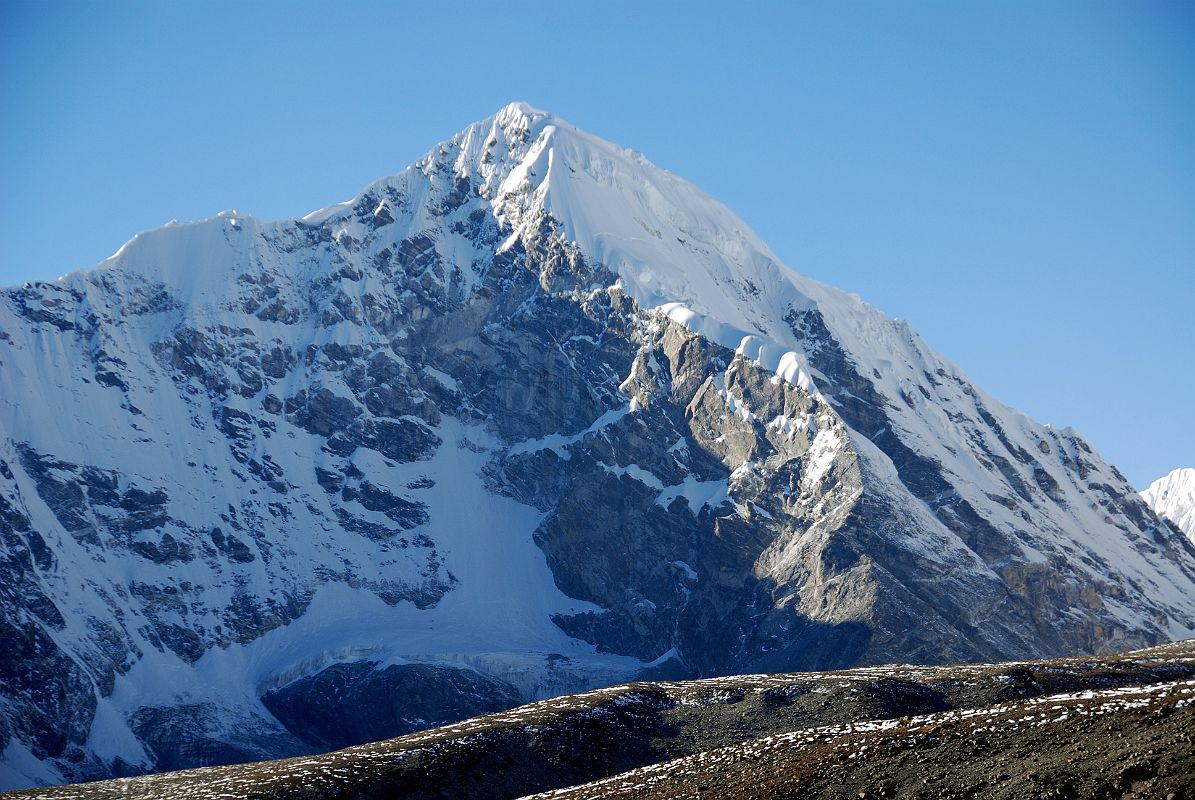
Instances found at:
x=1172 y=497
x=529 y=417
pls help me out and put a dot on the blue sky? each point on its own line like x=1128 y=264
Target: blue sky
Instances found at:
x=1015 y=179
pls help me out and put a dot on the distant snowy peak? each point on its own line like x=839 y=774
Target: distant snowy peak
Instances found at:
x=1173 y=496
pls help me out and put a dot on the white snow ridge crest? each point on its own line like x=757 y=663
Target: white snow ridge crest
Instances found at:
x=529 y=417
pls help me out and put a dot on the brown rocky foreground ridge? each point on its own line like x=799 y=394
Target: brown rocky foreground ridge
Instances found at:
x=1100 y=727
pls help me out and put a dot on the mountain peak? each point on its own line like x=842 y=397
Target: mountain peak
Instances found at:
x=672 y=245
x=517 y=112
x=444 y=440
x=1173 y=496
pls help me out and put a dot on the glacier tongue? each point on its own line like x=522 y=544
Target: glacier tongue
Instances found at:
x=530 y=416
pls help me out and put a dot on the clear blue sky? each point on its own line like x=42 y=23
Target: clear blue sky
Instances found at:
x=1015 y=179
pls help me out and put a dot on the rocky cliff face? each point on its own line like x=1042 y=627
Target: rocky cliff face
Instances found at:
x=529 y=417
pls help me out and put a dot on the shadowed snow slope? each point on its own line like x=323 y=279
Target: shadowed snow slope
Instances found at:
x=529 y=417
